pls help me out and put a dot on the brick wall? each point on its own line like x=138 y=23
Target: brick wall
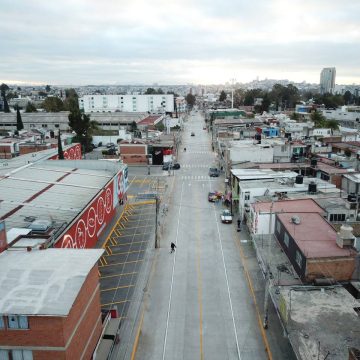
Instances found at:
x=56 y=331
x=132 y=149
x=134 y=159
x=341 y=269
x=27 y=149
x=90 y=320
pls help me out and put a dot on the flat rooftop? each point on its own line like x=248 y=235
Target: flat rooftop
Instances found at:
x=315 y=237
x=301 y=205
x=323 y=315
x=43 y=282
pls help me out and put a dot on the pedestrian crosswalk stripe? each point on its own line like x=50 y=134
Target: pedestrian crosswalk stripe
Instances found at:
x=198 y=178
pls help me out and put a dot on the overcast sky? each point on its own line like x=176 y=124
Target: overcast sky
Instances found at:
x=176 y=42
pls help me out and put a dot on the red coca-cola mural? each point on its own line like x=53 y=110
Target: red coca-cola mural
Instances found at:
x=87 y=228
x=72 y=153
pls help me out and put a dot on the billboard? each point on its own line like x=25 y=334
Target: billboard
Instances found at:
x=89 y=225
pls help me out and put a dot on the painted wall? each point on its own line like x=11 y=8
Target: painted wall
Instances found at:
x=84 y=232
x=71 y=153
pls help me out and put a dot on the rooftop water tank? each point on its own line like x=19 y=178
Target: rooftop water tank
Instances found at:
x=299 y=179
x=312 y=188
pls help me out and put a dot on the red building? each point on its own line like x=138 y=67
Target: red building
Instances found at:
x=51 y=307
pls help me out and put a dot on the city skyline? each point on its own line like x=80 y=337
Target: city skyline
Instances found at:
x=87 y=42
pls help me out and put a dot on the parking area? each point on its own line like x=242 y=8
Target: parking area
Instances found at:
x=127 y=242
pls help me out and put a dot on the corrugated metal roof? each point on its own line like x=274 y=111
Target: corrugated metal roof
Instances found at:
x=48 y=191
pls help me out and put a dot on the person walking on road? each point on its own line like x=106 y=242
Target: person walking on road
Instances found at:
x=173 y=246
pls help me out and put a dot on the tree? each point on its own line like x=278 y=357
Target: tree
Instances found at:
x=222 y=96
x=133 y=126
x=347 y=97
x=318 y=119
x=150 y=91
x=71 y=102
x=159 y=91
x=19 y=123
x=294 y=116
x=239 y=97
x=60 y=149
x=3 y=89
x=160 y=126
x=47 y=88
x=265 y=103
x=347 y=153
x=83 y=127
x=53 y=104
x=190 y=99
x=30 y=107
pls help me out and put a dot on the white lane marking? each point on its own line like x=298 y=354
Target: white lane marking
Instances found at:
x=227 y=284
x=172 y=275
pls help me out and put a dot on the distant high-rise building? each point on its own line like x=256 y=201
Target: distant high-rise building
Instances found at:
x=327 y=80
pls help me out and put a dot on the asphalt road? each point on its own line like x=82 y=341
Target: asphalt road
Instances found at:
x=199 y=304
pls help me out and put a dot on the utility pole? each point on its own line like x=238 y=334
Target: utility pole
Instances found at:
x=267 y=274
x=157 y=201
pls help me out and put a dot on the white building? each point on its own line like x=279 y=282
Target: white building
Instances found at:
x=246 y=150
x=129 y=103
x=345 y=114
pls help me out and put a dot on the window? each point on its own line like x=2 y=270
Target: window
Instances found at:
x=18 y=322
x=57 y=125
x=298 y=258
x=16 y=355
x=286 y=239
x=278 y=226
x=247 y=195
x=2 y=324
x=337 y=217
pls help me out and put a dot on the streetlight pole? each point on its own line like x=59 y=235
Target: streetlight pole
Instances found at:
x=267 y=275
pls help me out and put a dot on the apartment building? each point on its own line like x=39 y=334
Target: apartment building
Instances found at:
x=128 y=103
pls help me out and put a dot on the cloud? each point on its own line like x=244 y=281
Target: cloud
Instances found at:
x=82 y=42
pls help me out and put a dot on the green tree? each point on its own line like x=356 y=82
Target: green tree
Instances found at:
x=83 y=127
x=239 y=95
x=160 y=126
x=71 y=102
x=222 y=96
x=47 y=88
x=53 y=104
x=294 y=116
x=150 y=91
x=332 y=124
x=60 y=149
x=19 y=123
x=318 y=119
x=133 y=126
x=347 y=97
x=159 y=91
x=30 y=107
x=265 y=103
x=190 y=99
x=250 y=95
x=3 y=89
x=347 y=152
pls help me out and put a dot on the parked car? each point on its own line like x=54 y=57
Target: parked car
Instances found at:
x=226 y=217
x=110 y=145
x=214 y=172
x=192 y=134
x=171 y=166
x=214 y=196
x=204 y=128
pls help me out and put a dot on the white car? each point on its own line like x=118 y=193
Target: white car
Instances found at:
x=226 y=217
